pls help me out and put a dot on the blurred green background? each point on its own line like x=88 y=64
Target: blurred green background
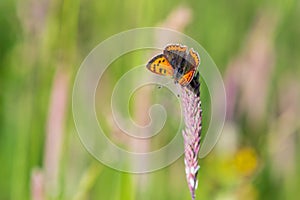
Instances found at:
x=255 y=44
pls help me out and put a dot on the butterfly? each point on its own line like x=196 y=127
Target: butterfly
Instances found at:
x=177 y=62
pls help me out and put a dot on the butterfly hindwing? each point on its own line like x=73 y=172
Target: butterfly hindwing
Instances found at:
x=187 y=78
x=160 y=65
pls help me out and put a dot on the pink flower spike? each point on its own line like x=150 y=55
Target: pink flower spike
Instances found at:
x=192 y=135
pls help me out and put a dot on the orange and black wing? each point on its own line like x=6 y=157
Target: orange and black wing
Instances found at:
x=187 y=78
x=193 y=60
x=160 y=65
x=176 y=48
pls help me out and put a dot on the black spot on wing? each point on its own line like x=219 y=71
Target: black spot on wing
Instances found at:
x=162 y=71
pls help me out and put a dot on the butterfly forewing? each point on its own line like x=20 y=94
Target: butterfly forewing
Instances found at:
x=175 y=48
x=175 y=54
x=193 y=58
x=160 y=65
x=192 y=62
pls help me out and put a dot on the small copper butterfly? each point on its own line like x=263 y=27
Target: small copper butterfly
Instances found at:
x=176 y=62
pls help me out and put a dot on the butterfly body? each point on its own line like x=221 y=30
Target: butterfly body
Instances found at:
x=176 y=62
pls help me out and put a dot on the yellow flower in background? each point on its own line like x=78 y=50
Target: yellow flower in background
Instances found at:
x=246 y=161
